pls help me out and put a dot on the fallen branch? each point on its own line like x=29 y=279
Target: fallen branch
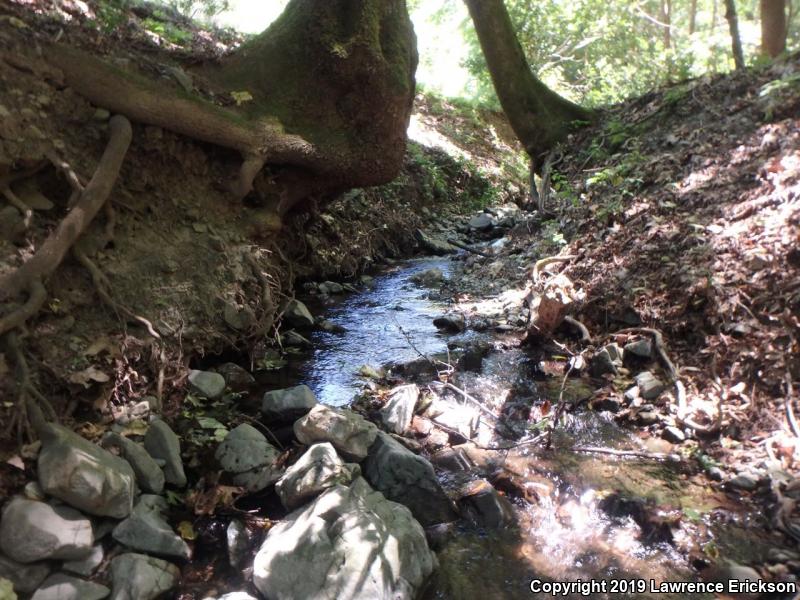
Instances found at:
x=458 y=244
x=543 y=262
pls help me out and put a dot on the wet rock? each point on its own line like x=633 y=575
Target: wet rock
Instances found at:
x=330 y=287
x=484 y=506
x=606 y=361
x=472 y=357
x=428 y=278
x=609 y=403
x=673 y=435
x=481 y=222
x=141 y=577
x=207 y=384
x=409 y=479
x=147 y=531
x=349 y=432
x=298 y=315
x=451 y=322
x=650 y=386
x=292 y=339
x=288 y=404
x=370 y=372
x=64 y=587
x=330 y=326
x=86 y=566
x=399 y=408
x=236 y=378
x=452 y=459
x=249 y=457
x=238 y=318
x=317 y=470
x=84 y=475
x=631 y=394
x=638 y=350
x=433 y=244
x=31 y=531
x=240 y=541
x=366 y=280
x=149 y=475
x=455 y=416
x=349 y=543
x=24 y=577
x=744 y=481
x=162 y=444
x=237 y=596
x=647 y=417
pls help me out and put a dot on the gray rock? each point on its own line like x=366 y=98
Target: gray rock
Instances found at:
x=317 y=470
x=162 y=444
x=84 y=475
x=141 y=577
x=349 y=432
x=298 y=315
x=462 y=418
x=236 y=378
x=428 y=278
x=86 y=566
x=638 y=350
x=237 y=596
x=485 y=507
x=240 y=541
x=744 y=481
x=24 y=577
x=249 y=457
x=631 y=394
x=451 y=322
x=147 y=531
x=399 y=408
x=31 y=531
x=481 y=222
x=63 y=587
x=409 y=479
x=293 y=339
x=650 y=386
x=330 y=287
x=207 y=384
x=606 y=360
x=433 y=244
x=149 y=475
x=288 y=404
x=330 y=326
x=349 y=543
x=647 y=417
x=673 y=435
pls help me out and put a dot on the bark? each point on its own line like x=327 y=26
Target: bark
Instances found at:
x=692 y=17
x=736 y=40
x=540 y=117
x=773 y=27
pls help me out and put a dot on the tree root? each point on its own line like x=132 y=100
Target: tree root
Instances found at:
x=24 y=209
x=542 y=263
x=586 y=337
x=37 y=294
x=33 y=409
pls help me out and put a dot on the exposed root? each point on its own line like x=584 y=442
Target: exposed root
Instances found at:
x=24 y=209
x=37 y=294
x=72 y=178
x=586 y=337
x=268 y=304
x=33 y=409
x=542 y=263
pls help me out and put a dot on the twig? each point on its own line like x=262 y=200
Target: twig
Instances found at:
x=559 y=407
x=458 y=244
x=789 y=408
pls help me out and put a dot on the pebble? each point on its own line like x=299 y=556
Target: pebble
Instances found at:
x=650 y=386
x=673 y=435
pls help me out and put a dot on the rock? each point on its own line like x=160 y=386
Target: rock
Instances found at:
x=149 y=475
x=288 y=404
x=650 y=386
x=608 y=403
x=86 y=566
x=236 y=378
x=472 y=358
x=330 y=288
x=428 y=278
x=237 y=596
x=349 y=432
x=24 y=577
x=370 y=372
x=462 y=418
x=101 y=114
x=481 y=222
x=399 y=408
x=484 y=506
x=673 y=435
x=298 y=315
x=162 y=444
x=240 y=541
x=238 y=318
x=293 y=339
x=409 y=479
x=64 y=587
x=349 y=543
x=638 y=350
x=606 y=361
x=141 y=577
x=207 y=384
x=317 y=470
x=84 y=475
x=330 y=326
x=433 y=244
x=249 y=457
x=452 y=459
x=147 y=531
x=31 y=531
x=631 y=394
x=451 y=322
x=744 y=481
x=647 y=417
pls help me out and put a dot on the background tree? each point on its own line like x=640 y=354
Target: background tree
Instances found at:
x=773 y=27
x=736 y=40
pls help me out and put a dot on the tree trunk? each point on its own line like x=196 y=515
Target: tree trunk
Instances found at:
x=539 y=116
x=666 y=20
x=332 y=86
x=692 y=17
x=736 y=40
x=773 y=27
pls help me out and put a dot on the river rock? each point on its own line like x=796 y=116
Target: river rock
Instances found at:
x=451 y=322
x=650 y=386
x=64 y=587
x=484 y=506
x=399 y=408
x=240 y=541
x=147 y=531
x=432 y=244
x=409 y=479
x=481 y=222
x=349 y=543
x=149 y=475
x=330 y=326
x=330 y=287
x=162 y=444
x=288 y=404
x=84 y=475
x=249 y=457
x=673 y=435
x=744 y=481
x=606 y=360
x=349 y=432
x=141 y=577
x=317 y=470
x=638 y=350
x=297 y=314
x=32 y=531
x=207 y=384
x=292 y=339
x=24 y=577
x=236 y=378
x=86 y=566
x=428 y=278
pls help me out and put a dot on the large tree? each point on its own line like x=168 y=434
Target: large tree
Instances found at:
x=773 y=27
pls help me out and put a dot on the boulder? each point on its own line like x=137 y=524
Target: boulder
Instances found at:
x=240 y=541
x=31 y=531
x=349 y=543
x=141 y=577
x=149 y=475
x=64 y=587
x=84 y=475
x=428 y=278
x=236 y=378
x=297 y=314
x=451 y=322
x=330 y=287
x=638 y=350
x=317 y=470
x=650 y=386
x=249 y=457
x=23 y=577
x=147 y=531
x=288 y=404
x=349 y=432
x=404 y=477
x=481 y=503
x=481 y=222
x=292 y=339
x=207 y=384
x=86 y=566
x=433 y=244
x=162 y=444
x=399 y=408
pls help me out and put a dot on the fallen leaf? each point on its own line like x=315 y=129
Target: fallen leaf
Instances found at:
x=16 y=461
x=186 y=530
x=88 y=375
